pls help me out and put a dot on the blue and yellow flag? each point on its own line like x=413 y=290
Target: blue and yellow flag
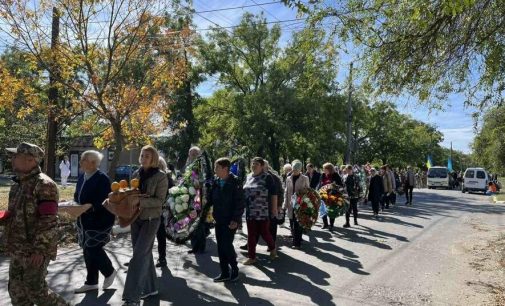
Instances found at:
x=429 y=162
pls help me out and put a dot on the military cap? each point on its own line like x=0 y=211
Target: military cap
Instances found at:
x=28 y=148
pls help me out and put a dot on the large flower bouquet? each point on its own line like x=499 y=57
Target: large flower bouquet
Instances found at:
x=335 y=198
x=187 y=202
x=306 y=207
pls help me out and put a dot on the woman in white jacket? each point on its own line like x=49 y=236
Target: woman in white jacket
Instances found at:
x=64 y=171
x=294 y=183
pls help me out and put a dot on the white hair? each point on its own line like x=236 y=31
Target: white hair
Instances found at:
x=92 y=156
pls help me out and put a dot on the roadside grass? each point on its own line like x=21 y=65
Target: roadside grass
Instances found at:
x=65 y=194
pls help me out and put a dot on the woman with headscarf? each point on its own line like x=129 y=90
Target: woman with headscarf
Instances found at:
x=329 y=176
x=153 y=183
x=94 y=226
x=294 y=183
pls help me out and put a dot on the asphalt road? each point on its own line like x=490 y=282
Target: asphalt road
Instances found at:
x=412 y=256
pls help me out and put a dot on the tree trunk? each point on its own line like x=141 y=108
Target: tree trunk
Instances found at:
x=190 y=133
x=118 y=139
x=52 y=121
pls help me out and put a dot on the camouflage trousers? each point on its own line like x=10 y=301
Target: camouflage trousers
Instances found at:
x=28 y=286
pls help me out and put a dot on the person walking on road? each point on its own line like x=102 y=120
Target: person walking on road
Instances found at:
x=228 y=206
x=95 y=225
x=375 y=191
x=31 y=238
x=260 y=197
x=353 y=190
x=296 y=182
x=388 y=188
x=313 y=175
x=410 y=181
x=141 y=278
x=329 y=176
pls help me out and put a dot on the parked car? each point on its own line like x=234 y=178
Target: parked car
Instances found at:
x=475 y=179
x=439 y=177
x=124 y=172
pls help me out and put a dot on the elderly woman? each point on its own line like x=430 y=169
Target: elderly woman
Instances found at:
x=94 y=226
x=329 y=176
x=153 y=183
x=294 y=183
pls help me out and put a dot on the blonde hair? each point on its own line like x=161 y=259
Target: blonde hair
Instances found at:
x=162 y=164
x=329 y=166
x=154 y=153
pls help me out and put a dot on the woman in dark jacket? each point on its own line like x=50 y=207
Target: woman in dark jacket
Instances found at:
x=94 y=226
x=329 y=176
x=375 y=191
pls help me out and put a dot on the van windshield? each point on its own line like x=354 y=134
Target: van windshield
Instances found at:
x=437 y=173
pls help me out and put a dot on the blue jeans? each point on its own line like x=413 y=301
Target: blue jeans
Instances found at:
x=141 y=277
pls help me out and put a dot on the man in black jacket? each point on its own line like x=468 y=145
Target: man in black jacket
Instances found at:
x=228 y=202
x=313 y=176
x=351 y=184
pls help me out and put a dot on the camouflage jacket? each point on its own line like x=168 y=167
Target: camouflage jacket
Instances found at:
x=33 y=205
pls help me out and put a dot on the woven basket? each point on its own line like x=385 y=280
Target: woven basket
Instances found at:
x=119 y=205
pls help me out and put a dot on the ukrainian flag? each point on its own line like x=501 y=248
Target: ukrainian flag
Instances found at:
x=429 y=162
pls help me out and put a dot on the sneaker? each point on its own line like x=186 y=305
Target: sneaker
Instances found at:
x=161 y=263
x=109 y=280
x=86 y=288
x=325 y=226
x=249 y=262
x=145 y=296
x=273 y=254
x=221 y=278
x=244 y=247
x=347 y=225
x=234 y=275
x=356 y=223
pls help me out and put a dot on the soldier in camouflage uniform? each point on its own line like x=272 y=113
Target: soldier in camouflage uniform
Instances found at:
x=30 y=231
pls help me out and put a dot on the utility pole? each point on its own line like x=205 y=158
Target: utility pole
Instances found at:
x=349 y=120
x=52 y=121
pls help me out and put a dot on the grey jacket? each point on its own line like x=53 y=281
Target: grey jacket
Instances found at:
x=157 y=187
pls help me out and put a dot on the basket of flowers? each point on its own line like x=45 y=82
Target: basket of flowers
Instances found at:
x=335 y=198
x=306 y=207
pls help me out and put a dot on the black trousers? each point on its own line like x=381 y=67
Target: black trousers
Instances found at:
x=273 y=228
x=296 y=231
x=161 y=236
x=385 y=201
x=225 y=248
x=375 y=206
x=96 y=260
x=354 y=208
x=408 y=193
x=325 y=220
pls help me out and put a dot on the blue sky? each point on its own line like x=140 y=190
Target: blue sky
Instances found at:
x=455 y=122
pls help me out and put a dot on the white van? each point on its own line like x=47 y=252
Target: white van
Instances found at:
x=439 y=177
x=475 y=179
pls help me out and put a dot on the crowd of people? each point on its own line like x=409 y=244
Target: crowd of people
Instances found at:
x=265 y=196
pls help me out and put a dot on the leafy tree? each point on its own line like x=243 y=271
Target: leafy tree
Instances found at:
x=121 y=80
x=489 y=144
x=425 y=48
